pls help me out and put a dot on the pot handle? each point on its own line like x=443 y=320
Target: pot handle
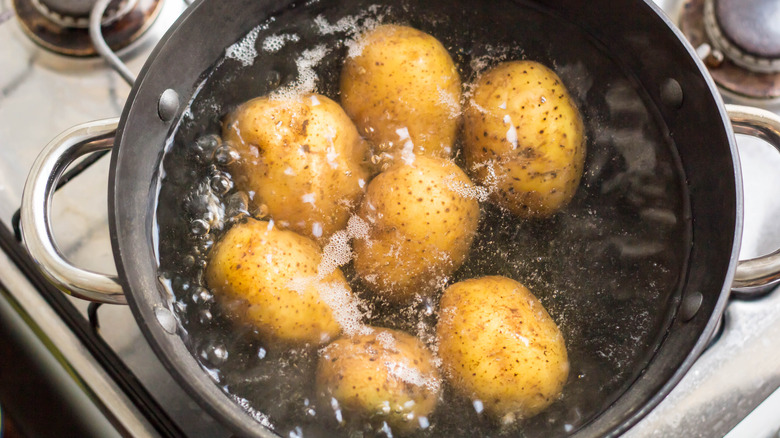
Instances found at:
x=765 y=270
x=36 y=212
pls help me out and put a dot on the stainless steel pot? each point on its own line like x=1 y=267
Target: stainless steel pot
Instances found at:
x=635 y=32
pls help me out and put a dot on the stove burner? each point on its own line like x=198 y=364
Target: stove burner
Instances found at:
x=747 y=31
x=75 y=13
x=739 y=41
x=61 y=25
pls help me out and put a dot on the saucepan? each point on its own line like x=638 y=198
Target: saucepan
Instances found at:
x=661 y=166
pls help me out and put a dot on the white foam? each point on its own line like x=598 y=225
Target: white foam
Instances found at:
x=469 y=191
x=244 y=50
x=308 y=198
x=274 y=43
x=357 y=227
x=335 y=254
x=306 y=83
x=338 y=251
x=345 y=307
x=449 y=101
x=412 y=375
x=386 y=340
x=353 y=26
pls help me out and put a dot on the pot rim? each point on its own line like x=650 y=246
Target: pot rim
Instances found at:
x=131 y=239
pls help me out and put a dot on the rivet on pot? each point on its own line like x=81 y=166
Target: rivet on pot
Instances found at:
x=690 y=306
x=168 y=105
x=671 y=93
x=166 y=319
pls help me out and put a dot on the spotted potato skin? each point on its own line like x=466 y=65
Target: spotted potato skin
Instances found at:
x=303 y=158
x=421 y=228
x=364 y=374
x=252 y=271
x=403 y=78
x=540 y=175
x=500 y=346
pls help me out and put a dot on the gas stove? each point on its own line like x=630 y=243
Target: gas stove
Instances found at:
x=60 y=351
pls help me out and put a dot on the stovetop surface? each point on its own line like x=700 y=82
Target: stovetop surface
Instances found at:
x=42 y=94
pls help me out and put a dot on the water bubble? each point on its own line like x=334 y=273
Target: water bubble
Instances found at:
x=262 y=211
x=214 y=353
x=221 y=183
x=205 y=146
x=478 y=406
x=261 y=353
x=226 y=154
x=273 y=79
x=188 y=261
x=237 y=205
x=180 y=285
x=205 y=316
x=202 y=295
x=204 y=243
x=180 y=306
x=199 y=227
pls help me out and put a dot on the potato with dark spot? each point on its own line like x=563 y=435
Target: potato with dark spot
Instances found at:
x=403 y=92
x=385 y=376
x=524 y=139
x=303 y=158
x=269 y=277
x=423 y=217
x=499 y=345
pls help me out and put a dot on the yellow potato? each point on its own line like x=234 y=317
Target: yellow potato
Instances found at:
x=303 y=158
x=498 y=345
x=523 y=138
x=403 y=92
x=423 y=218
x=386 y=376
x=269 y=277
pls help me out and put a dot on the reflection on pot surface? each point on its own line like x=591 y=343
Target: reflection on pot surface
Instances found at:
x=607 y=267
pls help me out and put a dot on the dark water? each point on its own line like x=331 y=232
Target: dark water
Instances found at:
x=608 y=268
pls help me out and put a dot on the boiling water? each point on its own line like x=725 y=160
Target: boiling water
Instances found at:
x=608 y=268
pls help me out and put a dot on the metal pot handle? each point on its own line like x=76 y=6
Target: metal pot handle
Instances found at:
x=765 y=270
x=36 y=212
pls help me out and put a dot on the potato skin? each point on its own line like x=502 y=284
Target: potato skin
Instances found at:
x=422 y=222
x=255 y=272
x=403 y=78
x=500 y=346
x=376 y=376
x=535 y=168
x=303 y=158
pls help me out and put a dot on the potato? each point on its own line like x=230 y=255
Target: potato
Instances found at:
x=423 y=218
x=523 y=138
x=498 y=345
x=385 y=376
x=303 y=158
x=403 y=92
x=269 y=277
